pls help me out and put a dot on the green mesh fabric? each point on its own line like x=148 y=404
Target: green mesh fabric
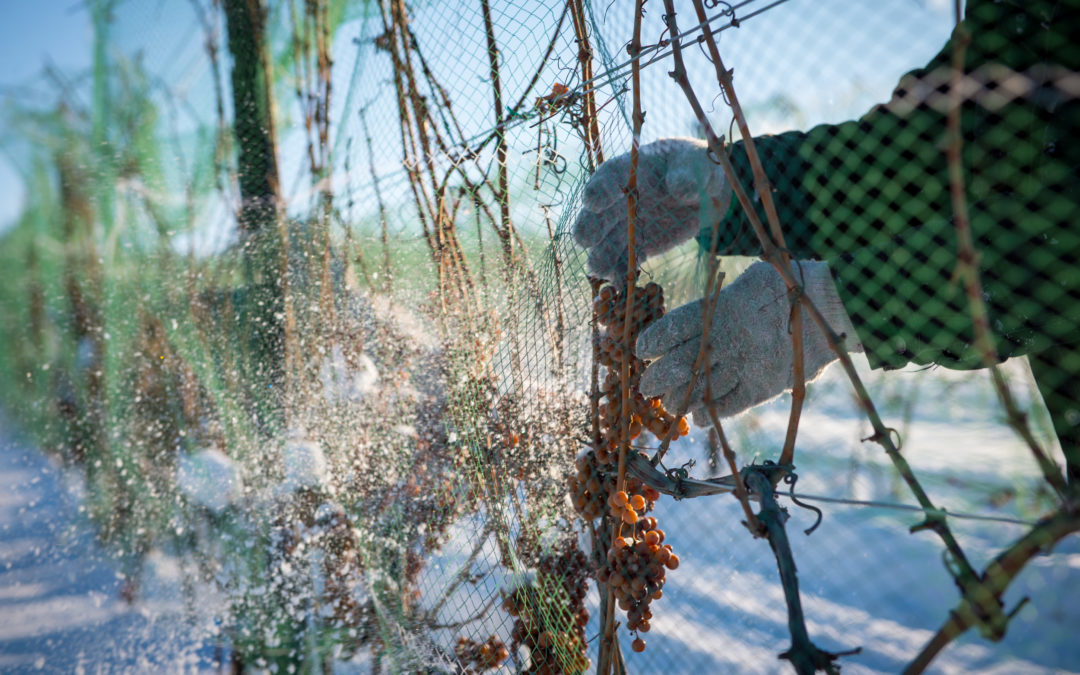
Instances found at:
x=446 y=524
x=872 y=197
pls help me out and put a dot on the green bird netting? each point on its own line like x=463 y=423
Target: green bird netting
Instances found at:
x=331 y=303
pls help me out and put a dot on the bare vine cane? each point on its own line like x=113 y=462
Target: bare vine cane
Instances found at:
x=778 y=255
x=981 y=603
x=609 y=642
x=994 y=582
x=741 y=493
x=967 y=267
x=934 y=518
x=712 y=293
x=964 y=574
x=591 y=128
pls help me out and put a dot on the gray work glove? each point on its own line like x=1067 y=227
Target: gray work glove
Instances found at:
x=679 y=188
x=750 y=351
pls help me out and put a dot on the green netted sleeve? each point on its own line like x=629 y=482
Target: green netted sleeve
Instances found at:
x=871 y=196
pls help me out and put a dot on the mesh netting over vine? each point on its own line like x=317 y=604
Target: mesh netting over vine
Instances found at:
x=427 y=409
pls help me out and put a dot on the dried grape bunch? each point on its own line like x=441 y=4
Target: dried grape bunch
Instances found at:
x=637 y=558
x=616 y=349
x=636 y=568
x=594 y=493
x=476 y=657
x=551 y=615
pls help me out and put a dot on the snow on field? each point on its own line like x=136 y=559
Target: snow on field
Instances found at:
x=60 y=594
x=866 y=582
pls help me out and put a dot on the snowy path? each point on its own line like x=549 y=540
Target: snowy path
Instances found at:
x=60 y=610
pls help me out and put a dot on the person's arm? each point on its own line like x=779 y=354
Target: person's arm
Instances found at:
x=872 y=197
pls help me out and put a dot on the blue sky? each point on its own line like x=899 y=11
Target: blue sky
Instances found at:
x=58 y=33
x=32 y=34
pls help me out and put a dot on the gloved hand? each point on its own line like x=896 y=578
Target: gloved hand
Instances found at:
x=750 y=352
x=679 y=187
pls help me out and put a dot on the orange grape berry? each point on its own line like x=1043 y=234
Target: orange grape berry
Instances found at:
x=638 y=645
x=672 y=562
x=638 y=502
x=684 y=426
x=652 y=538
x=620 y=498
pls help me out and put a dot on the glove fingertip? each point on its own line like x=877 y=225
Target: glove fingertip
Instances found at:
x=643 y=346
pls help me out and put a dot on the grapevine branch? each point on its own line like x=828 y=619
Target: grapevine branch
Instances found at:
x=965 y=572
x=608 y=644
x=741 y=493
x=981 y=604
x=594 y=151
x=967 y=264
x=712 y=294
x=781 y=259
x=982 y=600
x=676 y=483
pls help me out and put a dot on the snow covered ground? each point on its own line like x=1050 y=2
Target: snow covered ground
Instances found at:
x=866 y=581
x=60 y=593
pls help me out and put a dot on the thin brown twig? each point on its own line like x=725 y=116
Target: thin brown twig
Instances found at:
x=966 y=574
x=502 y=195
x=713 y=284
x=714 y=280
x=609 y=644
x=594 y=150
x=740 y=492
x=631 y=248
x=764 y=191
x=967 y=264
